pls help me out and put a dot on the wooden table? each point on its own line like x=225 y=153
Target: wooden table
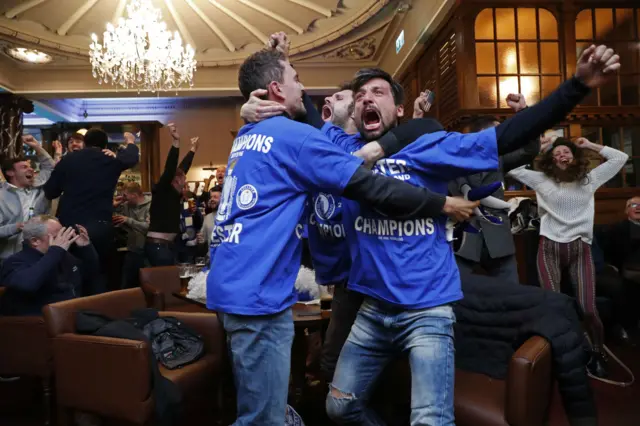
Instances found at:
x=305 y=317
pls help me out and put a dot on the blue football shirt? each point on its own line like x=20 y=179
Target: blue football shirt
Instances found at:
x=326 y=232
x=256 y=246
x=409 y=263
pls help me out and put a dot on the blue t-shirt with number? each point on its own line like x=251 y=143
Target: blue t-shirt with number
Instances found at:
x=409 y=263
x=256 y=246
x=327 y=243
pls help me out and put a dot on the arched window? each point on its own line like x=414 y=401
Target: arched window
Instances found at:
x=517 y=51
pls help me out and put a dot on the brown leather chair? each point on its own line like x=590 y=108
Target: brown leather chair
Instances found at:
x=159 y=283
x=110 y=377
x=522 y=399
x=26 y=352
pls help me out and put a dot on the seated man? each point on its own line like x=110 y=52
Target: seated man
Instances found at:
x=44 y=271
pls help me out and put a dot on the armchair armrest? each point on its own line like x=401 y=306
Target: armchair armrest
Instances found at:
x=529 y=381
x=103 y=375
x=208 y=326
x=26 y=348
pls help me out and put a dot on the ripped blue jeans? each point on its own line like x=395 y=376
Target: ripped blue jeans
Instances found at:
x=380 y=332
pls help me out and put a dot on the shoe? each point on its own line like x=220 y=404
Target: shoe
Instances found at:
x=621 y=334
x=8 y=379
x=597 y=365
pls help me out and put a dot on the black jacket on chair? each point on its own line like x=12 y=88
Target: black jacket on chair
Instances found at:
x=34 y=280
x=493 y=320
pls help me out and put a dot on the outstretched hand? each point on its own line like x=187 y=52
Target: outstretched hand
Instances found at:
x=458 y=208
x=257 y=109
x=174 y=131
x=597 y=65
x=194 y=143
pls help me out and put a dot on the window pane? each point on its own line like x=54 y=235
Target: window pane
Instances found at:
x=549 y=84
x=604 y=23
x=487 y=96
x=530 y=88
x=484 y=25
x=609 y=94
x=632 y=139
x=528 y=58
x=485 y=58
x=527 y=24
x=591 y=133
x=548 y=25
x=550 y=58
x=584 y=25
x=507 y=59
x=630 y=90
x=624 y=24
x=629 y=53
x=611 y=137
x=507 y=85
x=505 y=24
x=632 y=178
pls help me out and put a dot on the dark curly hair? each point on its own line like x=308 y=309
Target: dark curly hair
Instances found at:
x=575 y=172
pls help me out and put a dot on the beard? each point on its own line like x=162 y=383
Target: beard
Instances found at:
x=298 y=111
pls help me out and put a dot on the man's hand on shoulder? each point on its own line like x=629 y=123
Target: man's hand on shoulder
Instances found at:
x=257 y=109
x=459 y=209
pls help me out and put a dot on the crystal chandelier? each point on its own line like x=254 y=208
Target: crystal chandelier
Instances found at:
x=141 y=54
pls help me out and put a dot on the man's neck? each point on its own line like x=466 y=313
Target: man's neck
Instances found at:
x=350 y=128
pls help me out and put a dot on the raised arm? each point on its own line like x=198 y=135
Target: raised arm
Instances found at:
x=533 y=179
x=185 y=164
x=607 y=170
x=130 y=155
x=171 y=165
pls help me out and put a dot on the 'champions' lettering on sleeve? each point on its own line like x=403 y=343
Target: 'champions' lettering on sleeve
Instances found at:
x=226 y=234
x=328 y=231
x=394 y=228
x=254 y=142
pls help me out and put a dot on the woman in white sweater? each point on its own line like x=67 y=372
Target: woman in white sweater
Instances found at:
x=564 y=190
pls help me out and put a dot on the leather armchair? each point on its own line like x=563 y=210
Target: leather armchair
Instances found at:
x=110 y=377
x=522 y=399
x=159 y=283
x=26 y=352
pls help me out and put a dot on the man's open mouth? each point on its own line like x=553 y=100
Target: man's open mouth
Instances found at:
x=371 y=119
x=327 y=113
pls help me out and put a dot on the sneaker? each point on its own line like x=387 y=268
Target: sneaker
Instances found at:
x=597 y=365
x=8 y=379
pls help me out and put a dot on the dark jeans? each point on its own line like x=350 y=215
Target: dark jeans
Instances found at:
x=344 y=310
x=102 y=237
x=133 y=261
x=160 y=254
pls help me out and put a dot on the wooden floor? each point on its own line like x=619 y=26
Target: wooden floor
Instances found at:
x=616 y=406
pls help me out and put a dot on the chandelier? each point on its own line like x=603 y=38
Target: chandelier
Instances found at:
x=141 y=54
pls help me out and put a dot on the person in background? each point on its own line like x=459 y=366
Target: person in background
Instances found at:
x=22 y=196
x=45 y=271
x=75 y=142
x=190 y=225
x=565 y=193
x=209 y=220
x=620 y=244
x=220 y=173
x=164 y=225
x=133 y=217
x=493 y=248
x=85 y=181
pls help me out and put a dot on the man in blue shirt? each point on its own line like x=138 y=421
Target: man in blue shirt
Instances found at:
x=406 y=268
x=255 y=248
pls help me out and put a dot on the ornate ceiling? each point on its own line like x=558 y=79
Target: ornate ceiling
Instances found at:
x=221 y=31
x=331 y=39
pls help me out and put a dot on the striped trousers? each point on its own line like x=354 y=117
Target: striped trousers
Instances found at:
x=575 y=256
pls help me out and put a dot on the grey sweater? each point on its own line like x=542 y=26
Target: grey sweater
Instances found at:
x=137 y=223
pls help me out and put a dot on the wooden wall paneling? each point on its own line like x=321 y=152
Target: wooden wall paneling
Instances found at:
x=150 y=164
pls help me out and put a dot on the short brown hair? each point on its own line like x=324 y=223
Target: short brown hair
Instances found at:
x=9 y=163
x=133 y=188
x=76 y=136
x=260 y=69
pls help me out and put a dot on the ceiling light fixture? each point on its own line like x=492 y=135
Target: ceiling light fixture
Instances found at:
x=31 y=56
x=141 y=54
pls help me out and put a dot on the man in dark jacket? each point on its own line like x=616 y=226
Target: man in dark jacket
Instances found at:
x=87 y=180
x=493 y=248
x=44 y=271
